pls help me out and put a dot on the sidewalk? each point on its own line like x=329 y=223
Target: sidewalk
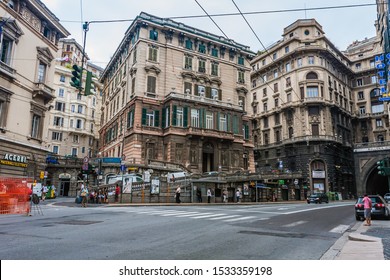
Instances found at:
x=359 y=243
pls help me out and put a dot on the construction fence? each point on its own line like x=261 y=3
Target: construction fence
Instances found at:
x=15 y=195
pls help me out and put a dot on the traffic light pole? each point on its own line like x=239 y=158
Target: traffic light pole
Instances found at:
x=85 y=28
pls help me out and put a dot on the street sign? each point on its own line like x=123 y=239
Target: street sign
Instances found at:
x=86 y=160
x=123 y=168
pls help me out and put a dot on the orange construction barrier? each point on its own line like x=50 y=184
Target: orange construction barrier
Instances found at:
x=15 y=195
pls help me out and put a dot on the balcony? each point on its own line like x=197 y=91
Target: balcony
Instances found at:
x=7 y=71
x=205 y=100
x=41 y=89
x=195 y=131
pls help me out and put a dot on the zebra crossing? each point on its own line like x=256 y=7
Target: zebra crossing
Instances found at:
x=196 y=215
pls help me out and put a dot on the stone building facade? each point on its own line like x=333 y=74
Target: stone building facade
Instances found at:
x=174 y=93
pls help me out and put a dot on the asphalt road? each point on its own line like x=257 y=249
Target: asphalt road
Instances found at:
x=199 y=232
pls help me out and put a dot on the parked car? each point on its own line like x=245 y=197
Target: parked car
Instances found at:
x=380 y=208
x=318 y=198
x=387 y=197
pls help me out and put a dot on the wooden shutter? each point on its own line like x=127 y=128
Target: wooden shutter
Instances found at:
x=208 y=92
x=174 y=115
x=156 y=118
x=185 y=116
x=163 y=117
x=220 y=94
x=143 y=116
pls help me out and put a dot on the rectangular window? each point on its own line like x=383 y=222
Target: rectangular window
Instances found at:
x=241 y=60
x=360 y=95
x=188 y=63
x=80 y=109
x=311 y=92
x=214 y=93
x=41 y=72
x=153 y=35
x=276 y=87
x=358 y=66
x=359 y=82
x=374 y=79
x=377 y=108
x=202 y=66
x=201 y=90
x=214 y=52
x=56 y=150
x=241 y=77
x=209 y=120
x=288 y=82
x=379 y=123
x=74 y=152
x=214 y=69
x=60 y=106
x=265 y=122
x=79 y=124
x=179 y=116
x=61 y=92
x=188 y=44
x=58 y=121
x=223 y=122
x=362 y=110
x=62 y=78
x=277 y=119
x=56 y=136
x=310 y=60
x=299 y=62
x=35 y=126
x=6 y=49
x=202 y=49
x=195 y=118
x=151 y=84
x=75 y=139
x=276 y=74
x=288 y=67
x=315 y=130
x=287 y=49
x=153 y=51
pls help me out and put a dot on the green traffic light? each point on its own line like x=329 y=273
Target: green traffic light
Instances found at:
x=76 y=79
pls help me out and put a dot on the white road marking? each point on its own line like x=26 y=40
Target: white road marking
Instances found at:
x=295 y=224
x=224 y=217
x=239 y=219
x=339 y=229
x=207 y=216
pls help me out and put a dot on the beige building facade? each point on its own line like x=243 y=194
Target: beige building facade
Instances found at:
x=29 y=43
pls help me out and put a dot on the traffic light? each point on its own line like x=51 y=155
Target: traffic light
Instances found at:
x=88 y=84
x=381 y=167
x=77 y=76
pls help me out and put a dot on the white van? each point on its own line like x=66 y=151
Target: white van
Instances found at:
x=133 y=177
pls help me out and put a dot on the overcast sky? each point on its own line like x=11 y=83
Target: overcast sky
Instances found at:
x=342 y=25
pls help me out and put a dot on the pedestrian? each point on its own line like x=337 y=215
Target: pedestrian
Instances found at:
x=44 y=191
x=208 y=195
x=177 y=194
x=367 y=209
x=224 y=195
x=199 y=195
x=84 y=195
x=173 y=178
x=238 y=195
x=117 y=191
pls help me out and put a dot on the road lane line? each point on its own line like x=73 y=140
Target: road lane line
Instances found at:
x=224 y=217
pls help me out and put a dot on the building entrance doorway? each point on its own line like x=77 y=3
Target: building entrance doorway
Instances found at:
x=208 y=158
x=64 y=187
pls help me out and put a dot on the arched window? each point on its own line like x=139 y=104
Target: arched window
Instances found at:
x=311 y=76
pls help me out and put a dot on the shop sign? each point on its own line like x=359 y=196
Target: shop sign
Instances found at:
x=14 y=160
x=318 y=174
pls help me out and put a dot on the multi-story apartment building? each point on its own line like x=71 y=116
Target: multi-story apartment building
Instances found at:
x=303 y=106
x=73 y=123
x=177 y=94
x=30 y=34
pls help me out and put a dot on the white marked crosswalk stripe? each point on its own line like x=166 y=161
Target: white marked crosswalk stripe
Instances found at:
x=240 y=219
x=339 y=229
x=224 y=217
x=295 y=224
x=191 y=215
x=178 y=213
x=208 y=216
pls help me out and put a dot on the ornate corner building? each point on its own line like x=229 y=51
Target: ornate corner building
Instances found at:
x=313 y=105
x=174 y=93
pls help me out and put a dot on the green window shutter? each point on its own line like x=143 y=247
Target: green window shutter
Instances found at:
x=202 y=118
x=228 y=118
x=187 y=85
x=246 y=127
x=164 y=116
x=218 y=121
x=156 y=118
x=208 y=92
x=143 y=116
x=169 y=116
x=220 y=94
x=235 y=124
x=132 y=119
x=185 y=116
x=153 y=35
x=196 y=90
x=128 y=119
x=174 y=115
